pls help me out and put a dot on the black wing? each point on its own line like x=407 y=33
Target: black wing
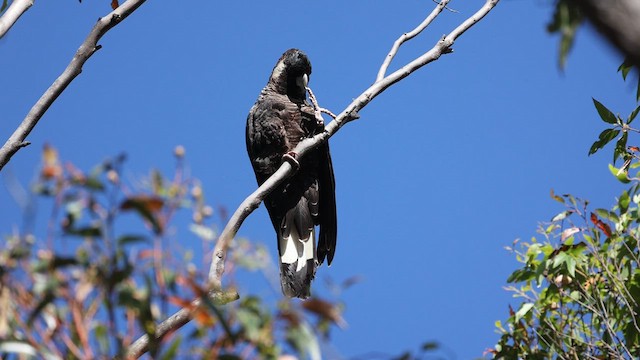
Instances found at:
x=327 y=216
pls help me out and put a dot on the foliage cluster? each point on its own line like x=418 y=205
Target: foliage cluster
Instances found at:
x=109 y=268
x=580 y=284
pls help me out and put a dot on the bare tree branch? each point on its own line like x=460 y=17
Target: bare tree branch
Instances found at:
x=253 y=201
x=618 y=21
x=408 y=36
x=88 y=48
x=15 y=10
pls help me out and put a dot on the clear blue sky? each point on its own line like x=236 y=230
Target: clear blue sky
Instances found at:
x=440 y=173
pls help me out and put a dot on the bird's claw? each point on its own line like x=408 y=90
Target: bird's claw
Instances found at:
x=290 y=157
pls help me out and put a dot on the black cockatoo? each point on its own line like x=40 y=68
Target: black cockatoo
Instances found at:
x=279 y=120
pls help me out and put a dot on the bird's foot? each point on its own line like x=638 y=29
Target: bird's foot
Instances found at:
x=290 y=157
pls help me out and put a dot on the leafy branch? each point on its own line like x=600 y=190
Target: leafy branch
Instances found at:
x=580 y=286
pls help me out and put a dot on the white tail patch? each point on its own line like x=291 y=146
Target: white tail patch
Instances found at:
x=297 y=249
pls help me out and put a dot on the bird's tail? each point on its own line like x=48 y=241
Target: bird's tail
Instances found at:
x=297 y=253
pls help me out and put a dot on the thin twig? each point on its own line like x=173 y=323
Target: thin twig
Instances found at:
x=88 y=48
x=12 y=14
x=408 y=36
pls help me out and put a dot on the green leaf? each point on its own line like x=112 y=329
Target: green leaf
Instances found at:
x=611 y=216
x=46 y=300
x=4 y=6
x=575 y=295
x=147 y=207
x=571 y=266
x=430 y=346
x=603 y=139
x=623 y=202
x=605 y=114
x=208 y=302
x=625 y=67
x=87 y=231
x=633 y=115
x=172 y=351
x=559 y=259
x=620 y=175
x=521 y=275
x=61 y=261
x=566 y=19
x=621 y=147
x=130 y=239
x=90 y=183
x=524 y=309
x=229 y=357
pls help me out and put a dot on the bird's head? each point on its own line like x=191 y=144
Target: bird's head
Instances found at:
x=291 y=74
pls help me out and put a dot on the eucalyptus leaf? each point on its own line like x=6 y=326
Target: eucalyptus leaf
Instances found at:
x=603 y=139
x=620 y=175
x=524 y=309
x=605 y=114
x=633 y=115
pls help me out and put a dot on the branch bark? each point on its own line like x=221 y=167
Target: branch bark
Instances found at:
x=13 y=13
x=86 y=50
x=252 y=202
x=176 y=321
x=618 y=21
x=408 y=36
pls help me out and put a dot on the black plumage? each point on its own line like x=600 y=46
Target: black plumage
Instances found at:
x=279 y=120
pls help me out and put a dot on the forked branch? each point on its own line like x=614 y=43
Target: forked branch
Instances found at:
x=88 y=48
x=408 y=36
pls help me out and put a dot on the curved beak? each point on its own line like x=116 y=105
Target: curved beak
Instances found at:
x=302 y=82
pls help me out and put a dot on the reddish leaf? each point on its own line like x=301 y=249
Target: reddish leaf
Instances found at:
x=290 y=317
x=145 y=254
x=569 y=232
x=179 y=302
x=601 y=225
x=50 y=163
x=114 y=4
x=149 y=202
x=203 y=318
x=146 y=206
x=489 y=351
x=325 y=310
x=556 y=197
